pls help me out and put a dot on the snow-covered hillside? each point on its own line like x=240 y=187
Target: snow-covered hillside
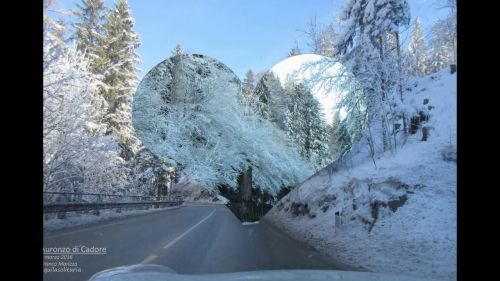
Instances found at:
x=399 y=217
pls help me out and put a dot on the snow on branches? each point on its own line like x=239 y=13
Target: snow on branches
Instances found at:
x=189 y=109
x=76 y=154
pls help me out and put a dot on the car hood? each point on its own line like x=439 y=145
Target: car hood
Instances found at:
x=150 y=272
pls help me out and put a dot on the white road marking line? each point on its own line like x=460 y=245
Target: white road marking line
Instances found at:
x=149 y=259
x=189 y=230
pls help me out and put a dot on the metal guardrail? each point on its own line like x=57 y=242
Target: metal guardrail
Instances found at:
x=51 y=196
x=62 y=202
x=74 y=207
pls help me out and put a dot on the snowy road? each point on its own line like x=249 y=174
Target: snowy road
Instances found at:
x=191 y=239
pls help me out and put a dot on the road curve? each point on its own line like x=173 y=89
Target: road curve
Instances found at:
x=192 y=239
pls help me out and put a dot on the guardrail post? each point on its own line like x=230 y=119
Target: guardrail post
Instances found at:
x=119 y=209
x=157 y=198
x=99 y=200
x=63 y=198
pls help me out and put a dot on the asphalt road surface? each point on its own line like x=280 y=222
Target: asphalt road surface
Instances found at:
x=191 y=239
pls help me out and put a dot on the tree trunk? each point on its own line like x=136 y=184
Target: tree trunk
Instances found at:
x=385 y=133
x=385 y=137
x=400 y=69
x=400 y=86
x=245 y=184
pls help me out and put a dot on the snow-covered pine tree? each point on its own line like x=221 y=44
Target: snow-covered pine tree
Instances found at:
x=384 y=18
x=416 y=59
x=263 y=95
x=369 y=25
x=260 y=103
x=333 y=140
x=89 y=31
x=177 y=51
x=305 y=126
x=271 y=100
x=120 y=78
x=248 y=86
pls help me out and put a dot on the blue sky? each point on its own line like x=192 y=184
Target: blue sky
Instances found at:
x=243 y=34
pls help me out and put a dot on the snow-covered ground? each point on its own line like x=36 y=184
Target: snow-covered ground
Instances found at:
x=249 y=223
x=74 y=219
x=398 y=218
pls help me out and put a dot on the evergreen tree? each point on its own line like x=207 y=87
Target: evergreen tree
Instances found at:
x=331 y=130
x=271 y=100
x=417 y=60
x=305 y=125
x=120 y=78
x=295 y=51
x=177 y=50
x=89 y=32
x=248 y=85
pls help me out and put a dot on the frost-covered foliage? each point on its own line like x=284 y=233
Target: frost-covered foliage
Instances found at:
x=417 y=61
x=327 y=41
x=443 y=43
x=370 y=48
x=321 y=39
x=313 y=87
x=76 y=154
x=292 y=107
x=383 y=17
x=177 y=51
x=89 y=144
x=371 y=19
x=149 y=174
x=248 y=86
x=189 y=110
x=341 y=98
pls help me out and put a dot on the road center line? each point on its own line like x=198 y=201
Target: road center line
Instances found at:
x=189 y=230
